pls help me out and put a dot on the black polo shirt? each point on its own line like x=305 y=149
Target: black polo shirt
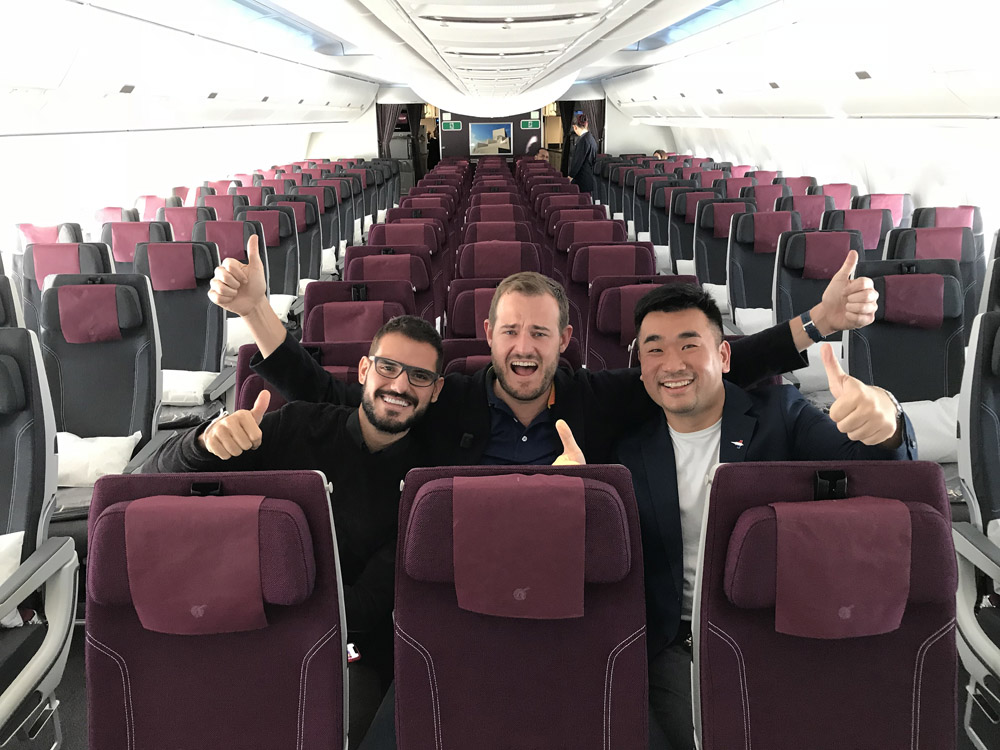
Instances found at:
x=513 y=443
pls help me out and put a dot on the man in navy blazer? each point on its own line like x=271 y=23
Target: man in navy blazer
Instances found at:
x=706 y=421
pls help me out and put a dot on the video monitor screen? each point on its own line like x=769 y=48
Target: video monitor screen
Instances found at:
x=491 y=138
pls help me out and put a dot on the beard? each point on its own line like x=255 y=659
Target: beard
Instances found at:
x=547 y=376
x=390 y=425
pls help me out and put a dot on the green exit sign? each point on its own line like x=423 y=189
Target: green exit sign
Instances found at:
x=452 y=125
x=531 y=124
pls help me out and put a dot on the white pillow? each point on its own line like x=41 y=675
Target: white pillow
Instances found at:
x=237 y=334
x=82 y=461
x=303 y=283
x=936 y=426
x=752 y=320
x=281 y=304
x=185 y=387
x=329 y=262
x=10 y=560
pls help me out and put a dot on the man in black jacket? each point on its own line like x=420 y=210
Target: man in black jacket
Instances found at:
x=581 y=169
x=364 y=452
x=507 y=413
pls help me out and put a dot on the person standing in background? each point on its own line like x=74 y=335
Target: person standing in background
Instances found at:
x=433 y=150
x=581 y=168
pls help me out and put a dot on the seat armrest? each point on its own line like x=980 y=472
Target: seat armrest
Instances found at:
x=225 y=380
x=976 y=547
x=298 y=306
x=159 y=438
x=45 y=562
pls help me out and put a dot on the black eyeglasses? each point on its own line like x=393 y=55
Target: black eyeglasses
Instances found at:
x=391 y=369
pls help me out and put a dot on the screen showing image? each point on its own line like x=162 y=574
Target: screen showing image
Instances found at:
x=491 y=138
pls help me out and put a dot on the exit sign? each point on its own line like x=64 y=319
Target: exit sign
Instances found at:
x=453 y=125
x=531 y=124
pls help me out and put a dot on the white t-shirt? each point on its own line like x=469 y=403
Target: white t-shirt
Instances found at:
x=696 y=455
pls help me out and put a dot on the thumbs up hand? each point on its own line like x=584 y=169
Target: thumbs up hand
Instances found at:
x=240 y=287
x=847 y=302
x=862 y=412
x=571 y=454
x=238 y=432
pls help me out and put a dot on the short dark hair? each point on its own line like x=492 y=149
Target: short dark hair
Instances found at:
x=582 y=121
x=414 y=328
x=677 y=297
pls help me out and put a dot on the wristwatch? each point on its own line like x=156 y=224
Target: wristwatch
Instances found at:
x=810 y=328
x=895 y=402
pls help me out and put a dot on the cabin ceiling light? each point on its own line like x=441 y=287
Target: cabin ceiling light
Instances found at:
x=863 y=75
x=213 y=95
x=126 y=89
x=773 y=85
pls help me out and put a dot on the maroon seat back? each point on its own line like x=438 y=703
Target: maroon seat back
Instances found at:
x=810 y=207
x=448 y=659
x=843 y=193
x=578 y=213
x=766 y=195
x=900 y=204
x=409 y=263
x=182 y=220
x=468 y=306
x=482 y=231
x=497 y=259
x=299 y=651
x=224 y=205
x=496 y=199
x=611 y=321
x=555 y=201
x=798 y=185
x=588 y=261
x=508 y=212
x=399 y=233
x=748 y=673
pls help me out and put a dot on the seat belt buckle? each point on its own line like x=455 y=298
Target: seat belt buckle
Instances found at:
x=353 y=654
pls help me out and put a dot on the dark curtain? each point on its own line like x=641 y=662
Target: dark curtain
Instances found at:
x=386 y=116
x=413 y=114
x=594 y=110
x=566 y=110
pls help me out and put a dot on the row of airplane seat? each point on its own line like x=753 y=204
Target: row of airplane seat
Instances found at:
x=439 y=253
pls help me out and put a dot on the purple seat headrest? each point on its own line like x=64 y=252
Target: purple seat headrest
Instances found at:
x=427 y=553
x=687 y=203
x=918 y=300
x=869 y=221
x=819 y=255
x=287 y=561
x=751 y=559
x=91 y=311
x=892 y=201
x=616 y=310
x=767 y=196
x=948 y=243
x=762 y=229
x=718 y=217
x=472 y=307
x=125 y=236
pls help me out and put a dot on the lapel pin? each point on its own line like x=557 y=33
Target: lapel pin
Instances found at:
x=738 y=443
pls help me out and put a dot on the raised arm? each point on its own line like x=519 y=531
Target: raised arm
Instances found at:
x=847 y=303
x=240 y=289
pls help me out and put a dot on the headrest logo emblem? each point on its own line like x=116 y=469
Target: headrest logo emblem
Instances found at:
x=844 y=613
x=198 y=610
x=520 y=594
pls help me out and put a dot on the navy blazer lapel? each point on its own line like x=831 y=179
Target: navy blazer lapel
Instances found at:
x=737 y=426
x=661 y=482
